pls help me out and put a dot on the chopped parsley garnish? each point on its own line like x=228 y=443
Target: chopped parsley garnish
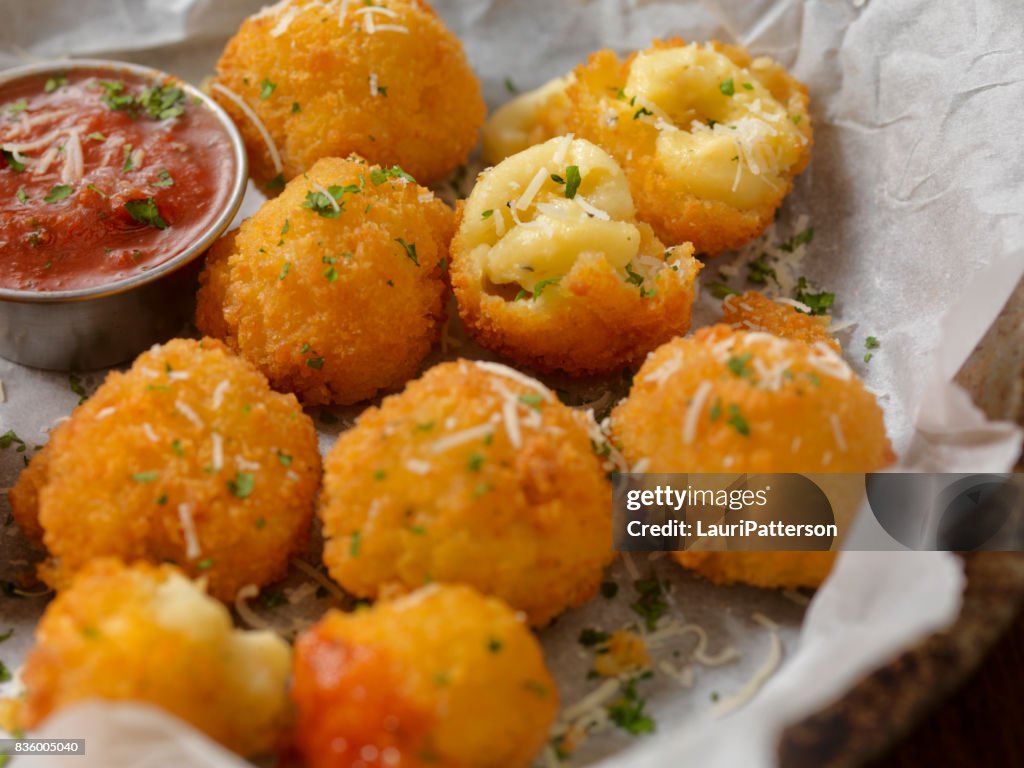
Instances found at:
x=177 y=448
x=476 y=461
x=759 y=271
x=284 y=229
x=628 y=713
x=128 y=164
x=716 y=410
x=410 y=250
x=266 y=89
x=12 y=162
x=643 y=111
x=737 y=421
x=53 y=83
x=205 y=564
x=632 y=276
x=315 y=363
x=379 y=175
x=355 y=543
x=609 y=589
x=720 y=290
x=145 y=212
x=494 y=644
x=96 y=136
x=487 y=214
x=76 y=386
x=331 y=274
x=6 y=635
x=332 y=206
x=748 y=86
x=284 y=458
x=591 y=637
x=532 y=399
x=871 y=342
x=796 y=119
x=160 y=102
x=296 y=107
x=650 y=604
x=379 y=475
x=241 y=486
x=739 y=365
x=539 y=287
x=19 y=106
x=275 y=183
x=5 y=673
x=572 y=181
x=800 y=238
x=145 y=477
x=510 y=86
x=482 y=489
x=58 y=193
x=727 y=87
x=22 y=195
x=818 y=303
x=164 y=179
x=284 y=270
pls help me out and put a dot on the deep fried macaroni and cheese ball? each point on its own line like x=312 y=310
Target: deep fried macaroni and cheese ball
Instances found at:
x=737 y=401
x=709 y=138
x=147 y=633
x=305 y=79
x=528 y=119
x=474 y=474
x=188 y=457
x=551 y=268
x=441 y=678
x=334 y=288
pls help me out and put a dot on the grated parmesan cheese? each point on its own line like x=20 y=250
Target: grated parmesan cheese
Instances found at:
x=526 y=199
x=185 y=410
x=188 y=529
x=693 y=412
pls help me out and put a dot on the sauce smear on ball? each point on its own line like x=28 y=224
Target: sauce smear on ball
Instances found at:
x=104 y=175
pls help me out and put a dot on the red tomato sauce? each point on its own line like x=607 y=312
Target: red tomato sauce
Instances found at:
x=104 y=175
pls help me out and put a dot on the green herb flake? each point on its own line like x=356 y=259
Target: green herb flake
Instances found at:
x=539 y=287
x=12 y=162
x=284 y=458
x=53 y=83
x=650 y=604
x=284 y=270
x=737 y=421
x=164 y=180
x=494 y=644
x=572 y=181
x=410 y=250
x=748 y=86
x=146 y=212
x=716 y=410
x=720 y=290
x=872 y=342
x=727 y=87
x=242 y=485
x=5 y=673
x=78 y=388
x=316 y=363
x=632 y=276
x=510 y=86
x=642 y=112
x=205 y=564
x=482 y=489
x=296 y=107
x=628 y=713
x=588 y=638
x=739 y=365
x=58 y=193
x=128 y=164
x=22 y=195
x=476 y=461
x=96 y=136
x=380 y=175
x=331 y=274
x=17 y=107
x=145 y=477
x=818 y=303
x=267 y=88
x=275 y=183
x=759 y=271
x=6 y=635
x=355 y=543
x=487 y=214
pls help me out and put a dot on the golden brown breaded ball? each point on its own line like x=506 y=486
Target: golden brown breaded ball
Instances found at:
x=709 y=138
x=443 y=677
x=188 y=457
x=334 y=288
x=528 y=119
x=474 y=474
x=738 y=401
x=387 y=80
x=753 y=311
x=147 y=633
x=551 y=268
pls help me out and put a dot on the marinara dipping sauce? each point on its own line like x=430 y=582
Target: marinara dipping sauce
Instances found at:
x=104 y=174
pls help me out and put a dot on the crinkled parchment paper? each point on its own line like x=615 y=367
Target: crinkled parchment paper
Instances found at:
x=916 y=198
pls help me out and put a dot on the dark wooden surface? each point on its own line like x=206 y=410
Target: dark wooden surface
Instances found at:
x=980 y=724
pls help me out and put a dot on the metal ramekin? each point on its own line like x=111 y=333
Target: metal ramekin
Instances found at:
x=105 y=325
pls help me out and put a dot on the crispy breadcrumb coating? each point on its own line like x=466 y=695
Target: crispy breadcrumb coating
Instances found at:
x=738 y=401
x=188 y=457
x=709 y=138
x=753 y=311
x=477 y=475
x=334 y=288
x=440 y=678
x=146 y=633
x=551 y=268
x=389 y=83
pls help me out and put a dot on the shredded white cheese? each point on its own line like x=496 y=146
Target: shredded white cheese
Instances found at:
x=694 y=410
x=188 y=529
x=448 y=442
x=514 y=375
x=185 y=410
x=753 y=685
x=218 y=393
x=526 y=199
